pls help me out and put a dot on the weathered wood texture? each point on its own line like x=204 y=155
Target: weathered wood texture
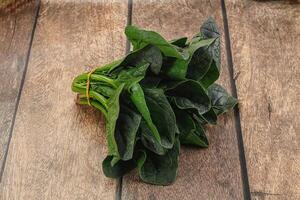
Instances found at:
x=15 y=34
x=57 y=147
x=265 y=40
x=212 y=173
x=8 y=7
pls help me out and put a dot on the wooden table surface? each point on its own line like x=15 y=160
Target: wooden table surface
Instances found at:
x=50 y=148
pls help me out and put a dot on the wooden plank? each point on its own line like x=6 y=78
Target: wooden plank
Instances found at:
x=57 y=147
x=266 y=48
x=15 y=34
x=213 y=173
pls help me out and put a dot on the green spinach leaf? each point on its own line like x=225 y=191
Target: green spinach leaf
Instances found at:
x=127 y=126
x=119 y=169
x=221 y=100
x=138 y=99
x=162 y=115
x=210 y=116
x=180 y=42
x=183 y=94
x=112 y=116
x=140 y=38
x=205 y=64
x=159 y=169
x=149 y=141
x=190 y=130
x=178 y=68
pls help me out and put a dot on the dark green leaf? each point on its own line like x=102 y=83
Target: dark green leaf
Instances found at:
x=150 y=81
x=159 y=169
x=119 y=169
x=162 y=115
x=183 y=94
x=126 y=129
x=178 y=68
x=191 y=131
x=140 y=38
x=211 y=75
x=199 y=64
x=149 y=54
x=221 y=100
x=138 y=98
x=205 y=63
x=209 y=29
x=180 y=42
x=210 y=116
x=112 y=116
x=175 y=68
x=197 y=137
x=132 y=76
x=184 y=122
x=149 y=141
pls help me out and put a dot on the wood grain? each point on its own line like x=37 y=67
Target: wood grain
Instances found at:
x=15 y=34
x=8 y=7
x=265 y=40
x=212 y=173
x=57 y=147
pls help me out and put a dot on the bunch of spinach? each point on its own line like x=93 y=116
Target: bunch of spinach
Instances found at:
x=157 y=97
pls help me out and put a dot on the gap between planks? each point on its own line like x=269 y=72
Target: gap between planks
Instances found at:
x=36 y=14
x=244 y=172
